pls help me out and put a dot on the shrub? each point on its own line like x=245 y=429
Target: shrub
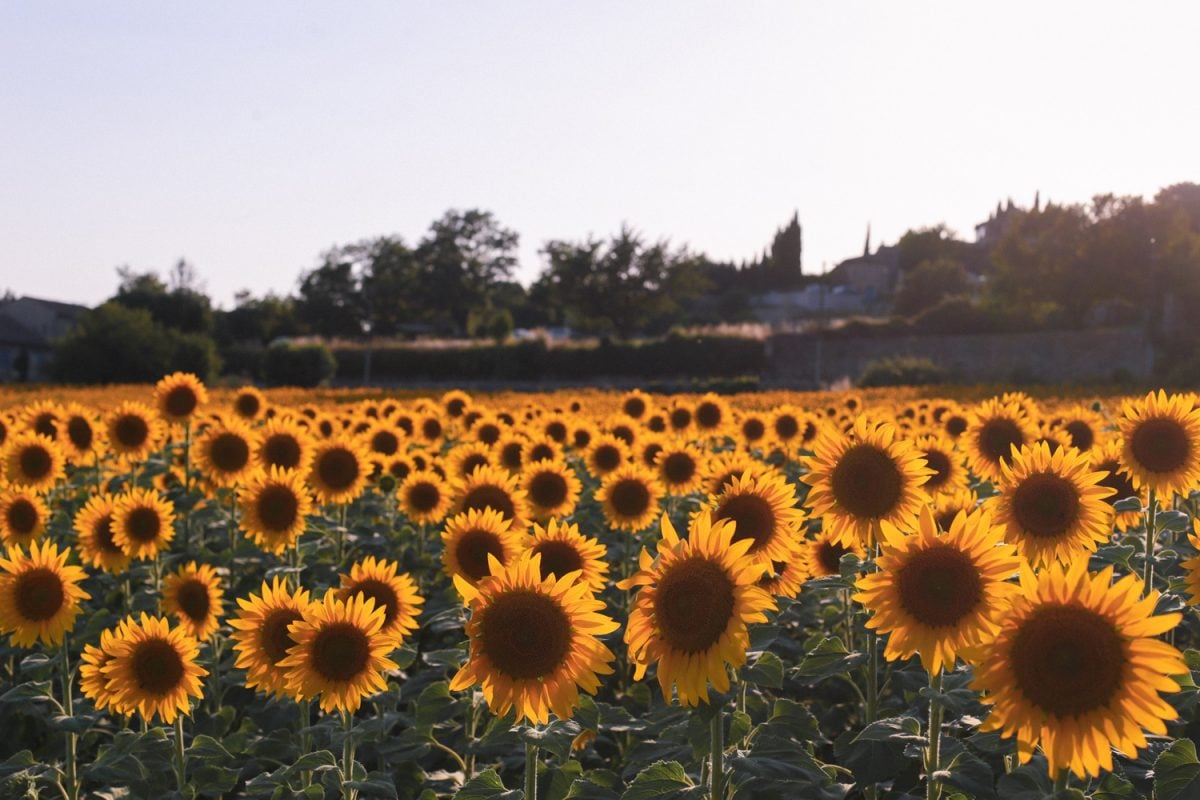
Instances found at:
x=902 y=371
x=308 y=365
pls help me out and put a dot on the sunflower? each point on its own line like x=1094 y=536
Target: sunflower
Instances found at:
x=563 y=550
x=636 y=404
x=462 y=460
x=936 y=593
x=249 y=404
x=551 y=488
x=393 y=591
x=473 y=539
x=864 y=479
x=338 y=473
x=456 y=403
x=261 y=637
x=753 y=429
x=788 y=426
x=80 y=434
x=179 y=396
x=429 y=429
x=133 y=430
x=680 y=467
x=606 y=454
x=93 y=683
x=695 y=601
x=424 y=497
x=285 y=444
x=680 y=417
x=821 y=555
x=543 y=449
x=1053 y=505
x=946 y=463
x=44 y=417
x=23 y=516
x=152 y=669
x=993 y=431
x=630 y=498
x=533 y=641
x=786 y=578
x=1160 y=439
x=1084 y=427
x=33 y=461
x=486 y=429
x=946 y=506
x=1106 y=458
x=713 y=415
x=143 y=523
x=193 y=595
x=224 y=453
x=274 y=508
x=763 y=509
x=39 y=594
x=1077 y=667
x=94 y=528
x=340 y=652
x=490 y=487
x=721 y=469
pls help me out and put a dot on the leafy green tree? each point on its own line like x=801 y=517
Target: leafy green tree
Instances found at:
x=182 y=305
x=930 y=283
x=330 y=301
x=933 y=243
x=463 y=258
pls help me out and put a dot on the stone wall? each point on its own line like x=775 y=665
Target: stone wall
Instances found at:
x=1046 y=356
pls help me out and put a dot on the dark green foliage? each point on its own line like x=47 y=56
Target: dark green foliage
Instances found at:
x=930 y=283
x=902 y=371
x=305 y=365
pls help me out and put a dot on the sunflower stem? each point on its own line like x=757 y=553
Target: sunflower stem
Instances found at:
x=348 y=792
x=158 y=580
x=1063 y=781
x=531 y=755
x=932 y=788
x=1151 y=524
x=305 y=707
x=187 y=486
x=180 y=755
x=72 y=787
x=341 y=537
x=717 y=755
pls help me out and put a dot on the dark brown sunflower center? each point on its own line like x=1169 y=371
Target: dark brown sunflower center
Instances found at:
x=956 y=425
x=157 y=666
x=606 y=457
x=581 y=438
x=431 y=428
x=424 y=497
x=385 y=442
x=538 y=452
x=786 y=426
x=383 y=595
x=939 y=586
x=1068 y=660
x=102 y=532
x=946 y=518
x=80 y=432
x=679 y=467
x=338 y=468
x=472 y=551
x=680 y=418
x=38 y=594
x=557 y=431
x=229 y=452
x=489 y=496
x=273 y=636
x=708 y=415
x=657 y=424
x=624 y=433
x=22 y=517
x=998 y=436
x=340 y=652
x=192 y=597
x=281 y=450
x=939 y=462
x=548 y=489
x=753 y=429
x=277 y=507
x=143 y=524
x=248 y=405
x=829 y=557
x=1160 y=445
x=752 y=516
x=131 y=431
x=46 y=424
x=511 y=455
x=693 y=604
x=456 y=406
x=36 y=462
x=1082 y=436
x=472 y=462
x=1045 y=505
x=866 y=481
x=1116 y=480
x=558 y=557
x=180 y=401
x=488 y=433
x=630 y=497
x=634 y=407
x=525 y=634
x=650 y=454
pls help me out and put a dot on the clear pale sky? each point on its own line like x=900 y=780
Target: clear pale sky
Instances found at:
x=250 y=136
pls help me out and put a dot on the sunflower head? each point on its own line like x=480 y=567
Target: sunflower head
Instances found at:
x=1160 y=437
x=249 y=404
x=393 y=591
x=424 y=497
x=283 y=443
x=630 y=497
x=551 y=487
x=39 y=593
x=274 y=508
x=994 y=431
x=680 y=467
x=491 y=487
x=193 y=595
x=261 y=634
x=763 y=509
x=338 y=473
x=133 y=430
x=821 y=555
x=473 y=540
x=179 y=396
x=143 y=522
x=33 y=461
x=81 y=435
x=225 y=453
x=23 y=516
x=96 y=535
x=564 y=550
x=151 y=669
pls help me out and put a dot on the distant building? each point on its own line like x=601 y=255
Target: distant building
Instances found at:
x=815 y=299
x=873 y=275
x=28 y=328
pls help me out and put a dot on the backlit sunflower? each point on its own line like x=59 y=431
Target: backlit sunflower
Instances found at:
x=821 y=555
x=424 y=497
x=393 y=591
x=544 y=449
x=1052 y=505
x=143 y=523
x=754 y=429
x=551 y=488
x=1160 y=439
x=630 y=498
x=533 y=641
x=463 y=460
x=1077 y=667
x=763 y=509
x=249 y=404
x=491 y=487
x=721 y=469
x=1084 y=427
x=473 y=540
x=456 y=403
x=193 y=595
x=340 y=652
x=947 y=506
x=1106 y=458
x=487 y=429
x=636 y=404
x=429 y=429
x=33 y=461
x=945 y=462
x=80 y=434
x=179 y=396
x=606 y=454
x=864 y=479
x=225 y=453
x=563 y=550
x=936 y=593
x=152 y=669
x=787 y=426
x=23 y=516
x=94 y=526
x=680 y=467
x=713 y=416
x=681 y=416
x=993 y=430
x=43 y=417
x=39 y=594
x=274 y=508
x=695 y=601
x=93 y=683
x=786 y=578
x=285 y=444
x=133 y=430
x=509 y=450
x=338 y=473
x=261 y=637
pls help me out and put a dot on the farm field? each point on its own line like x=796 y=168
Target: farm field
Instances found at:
x=597 y=595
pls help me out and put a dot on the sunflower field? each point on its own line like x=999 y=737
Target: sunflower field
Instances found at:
x=597 y=595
